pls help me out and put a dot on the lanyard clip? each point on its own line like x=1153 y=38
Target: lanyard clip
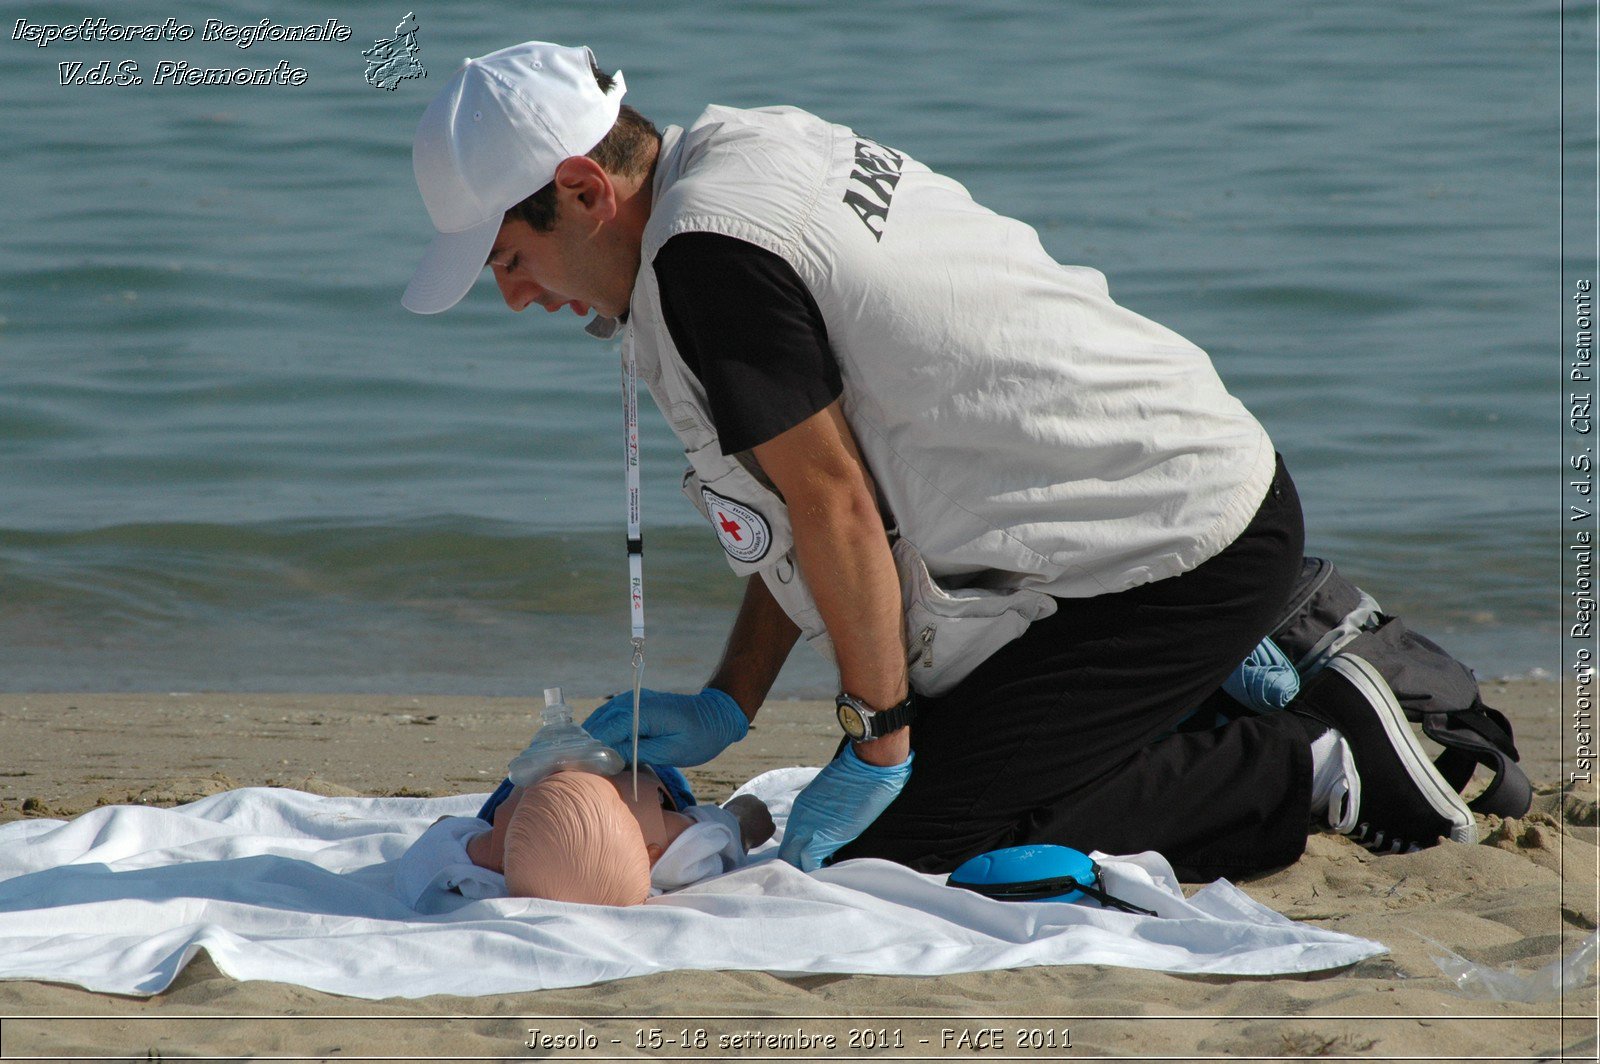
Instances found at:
x=638 y=677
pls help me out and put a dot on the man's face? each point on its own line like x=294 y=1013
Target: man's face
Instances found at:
x=534 y=268
x=589 y=258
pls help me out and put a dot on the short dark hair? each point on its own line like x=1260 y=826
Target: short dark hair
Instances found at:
x=623 y=152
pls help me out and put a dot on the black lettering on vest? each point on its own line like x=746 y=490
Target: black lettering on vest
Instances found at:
x=877 y=170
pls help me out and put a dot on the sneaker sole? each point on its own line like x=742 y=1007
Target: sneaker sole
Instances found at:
x=1439 y=794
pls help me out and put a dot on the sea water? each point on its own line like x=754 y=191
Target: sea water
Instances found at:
x=231 y=460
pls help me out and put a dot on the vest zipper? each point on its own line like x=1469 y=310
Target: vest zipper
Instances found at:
x=925 y=638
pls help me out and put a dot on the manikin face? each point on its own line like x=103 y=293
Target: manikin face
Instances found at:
x=659 y=819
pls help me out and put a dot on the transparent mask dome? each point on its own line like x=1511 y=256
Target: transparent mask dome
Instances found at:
x=560 y=745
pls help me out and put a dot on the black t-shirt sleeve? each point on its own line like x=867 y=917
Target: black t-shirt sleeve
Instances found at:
x=749 y=330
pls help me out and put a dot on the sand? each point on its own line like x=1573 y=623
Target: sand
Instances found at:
x=1521 y=898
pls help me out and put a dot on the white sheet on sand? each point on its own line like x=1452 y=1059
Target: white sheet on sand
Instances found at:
x=286 y=886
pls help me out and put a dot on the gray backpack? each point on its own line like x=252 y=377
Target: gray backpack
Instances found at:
x=1327 y=614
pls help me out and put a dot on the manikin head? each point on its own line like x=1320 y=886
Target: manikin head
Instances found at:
x=576 y=836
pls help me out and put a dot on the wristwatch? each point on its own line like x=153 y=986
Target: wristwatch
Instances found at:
x=860 y=721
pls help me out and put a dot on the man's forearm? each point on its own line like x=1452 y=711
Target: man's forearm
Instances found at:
x=844 y=554
x=757 y=647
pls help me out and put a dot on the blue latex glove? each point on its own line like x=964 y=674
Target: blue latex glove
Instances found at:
x=1265 y=681
x=679 y=730
x=836 y=806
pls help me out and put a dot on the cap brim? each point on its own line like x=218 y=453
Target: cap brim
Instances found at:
x=449 y=267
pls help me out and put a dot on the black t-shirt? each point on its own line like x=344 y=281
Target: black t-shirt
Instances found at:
x=749 y=330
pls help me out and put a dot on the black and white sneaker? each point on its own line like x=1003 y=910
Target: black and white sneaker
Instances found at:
x=1391 y=799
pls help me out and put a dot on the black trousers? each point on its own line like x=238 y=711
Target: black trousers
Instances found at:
x=1066 y=736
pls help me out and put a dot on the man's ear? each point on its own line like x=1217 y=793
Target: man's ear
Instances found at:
x=585 y=180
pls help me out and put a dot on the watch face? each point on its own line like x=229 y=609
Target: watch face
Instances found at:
x=850 y=720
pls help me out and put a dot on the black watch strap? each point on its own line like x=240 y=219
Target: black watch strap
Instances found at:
x=880 y=722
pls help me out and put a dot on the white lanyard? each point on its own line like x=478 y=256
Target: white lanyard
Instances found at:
x=630 y=408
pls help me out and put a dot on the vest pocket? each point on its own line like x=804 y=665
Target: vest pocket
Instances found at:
x=774 y=562
x=951 y=632
x=750 y=521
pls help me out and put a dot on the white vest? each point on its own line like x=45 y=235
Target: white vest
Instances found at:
x=1029 y=437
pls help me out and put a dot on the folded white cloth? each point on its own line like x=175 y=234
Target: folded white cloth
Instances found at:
x=292 y=887
x=708 y=847
x=436 y=873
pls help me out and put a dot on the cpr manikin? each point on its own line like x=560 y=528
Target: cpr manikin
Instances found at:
x=580 y=837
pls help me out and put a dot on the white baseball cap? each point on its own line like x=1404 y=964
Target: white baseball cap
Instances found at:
x=493 y=137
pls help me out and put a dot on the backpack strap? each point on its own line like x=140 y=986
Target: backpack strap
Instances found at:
x=1480 y=736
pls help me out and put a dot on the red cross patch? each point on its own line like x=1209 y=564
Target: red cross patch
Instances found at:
x=741 y=529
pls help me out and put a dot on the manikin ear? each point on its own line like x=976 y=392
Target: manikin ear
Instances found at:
x=481 y=853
